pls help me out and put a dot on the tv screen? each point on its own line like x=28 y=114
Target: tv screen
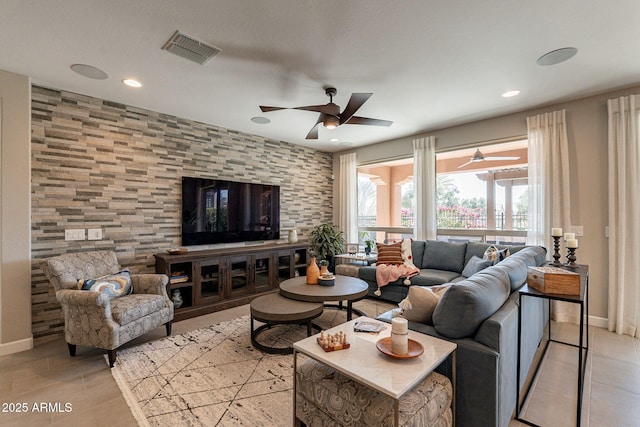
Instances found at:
x=217 y=211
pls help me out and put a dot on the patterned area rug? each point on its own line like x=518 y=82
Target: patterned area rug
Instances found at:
x=214 y=377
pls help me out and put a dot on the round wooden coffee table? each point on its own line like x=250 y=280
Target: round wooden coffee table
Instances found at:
x=347 y=288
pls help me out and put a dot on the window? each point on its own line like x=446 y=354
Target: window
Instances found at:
x=483 y=188
x=385 y=196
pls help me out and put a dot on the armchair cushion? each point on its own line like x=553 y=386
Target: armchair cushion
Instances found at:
x=133 y=307
x=114 y=285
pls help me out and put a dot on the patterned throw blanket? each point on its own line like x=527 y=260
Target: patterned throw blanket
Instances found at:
x=386 y=273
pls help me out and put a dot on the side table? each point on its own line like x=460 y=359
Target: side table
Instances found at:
x=356 y=258
x=583 y=344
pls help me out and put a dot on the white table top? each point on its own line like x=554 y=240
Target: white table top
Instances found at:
x=364 y=363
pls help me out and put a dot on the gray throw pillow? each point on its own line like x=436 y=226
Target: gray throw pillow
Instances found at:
x=474 y=265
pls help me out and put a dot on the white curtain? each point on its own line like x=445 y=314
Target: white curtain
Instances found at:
x=624 y=215
x=424 y=180
x=549 y=191
x=348 y=212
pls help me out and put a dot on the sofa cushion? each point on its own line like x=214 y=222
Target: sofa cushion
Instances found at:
x=475 y=249
x=417 y=250
x=389 y=254
x=135 y=306
x=467 y=303
x=474 y=265
x=420 y=303
x=516 y=269
x=532 y=255
x=367 y=273
x=444 y=256
x=430 y=277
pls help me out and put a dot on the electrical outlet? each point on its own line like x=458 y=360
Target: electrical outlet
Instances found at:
x=94 y=234
x=74 y=234
x=577 y=230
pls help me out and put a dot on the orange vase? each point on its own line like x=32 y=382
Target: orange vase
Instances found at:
x=313 y=272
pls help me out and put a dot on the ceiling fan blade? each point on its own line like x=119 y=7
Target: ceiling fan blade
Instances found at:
x=465 y=164
x=313 y=133
x=502 y=158
x=354 y=104
x=324 y=108
x=355 y=120
x=266 y=109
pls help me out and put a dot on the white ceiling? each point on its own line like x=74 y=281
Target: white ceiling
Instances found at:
x=429 y=64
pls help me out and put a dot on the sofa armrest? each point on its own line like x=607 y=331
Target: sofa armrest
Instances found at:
x=150 y=284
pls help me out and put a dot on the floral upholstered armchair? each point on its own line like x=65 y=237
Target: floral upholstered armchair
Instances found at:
x=105 y=306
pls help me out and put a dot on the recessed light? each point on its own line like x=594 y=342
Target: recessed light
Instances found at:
x=557 y=56
x=334 y=140
x=346 y=144
x=132 y=83
x=260 y=120
x=89 y=71
x=510 y=93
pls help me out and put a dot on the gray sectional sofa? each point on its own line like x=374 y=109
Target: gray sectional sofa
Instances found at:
x=480 y=314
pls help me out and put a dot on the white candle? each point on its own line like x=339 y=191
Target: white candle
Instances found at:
x=556 y=232
x=568 y=236
x=572 y=243
x=399 y=325
x=399 y=343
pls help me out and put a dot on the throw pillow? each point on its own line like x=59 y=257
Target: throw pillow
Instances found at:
x=420 y=303
x=474 y=265
x=495 y=255
x=114 y=285
x=407 y=256
x=390 y=254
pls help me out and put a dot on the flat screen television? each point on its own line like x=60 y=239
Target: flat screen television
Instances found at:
x=218 y=211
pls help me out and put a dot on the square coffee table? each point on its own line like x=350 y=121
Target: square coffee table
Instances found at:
x=364 y=363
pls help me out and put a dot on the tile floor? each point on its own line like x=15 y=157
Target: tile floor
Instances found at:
x=47 y=375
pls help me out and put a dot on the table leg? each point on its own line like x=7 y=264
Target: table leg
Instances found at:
x=349 y=310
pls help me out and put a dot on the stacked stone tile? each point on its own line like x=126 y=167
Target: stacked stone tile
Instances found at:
x=100 y=164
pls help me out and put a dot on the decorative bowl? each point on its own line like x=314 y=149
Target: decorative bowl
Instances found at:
x=327 y=280
x=177 y=251
x=415 y=349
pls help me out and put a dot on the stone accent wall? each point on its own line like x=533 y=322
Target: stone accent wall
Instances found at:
x=99 y=164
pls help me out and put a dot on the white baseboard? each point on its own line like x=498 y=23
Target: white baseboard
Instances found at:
x=16 y=346
x=599 y=322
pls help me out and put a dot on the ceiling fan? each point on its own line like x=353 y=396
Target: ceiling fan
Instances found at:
x=330 y=115
x=479 y=157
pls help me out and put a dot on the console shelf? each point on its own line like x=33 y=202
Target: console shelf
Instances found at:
x=218 y=279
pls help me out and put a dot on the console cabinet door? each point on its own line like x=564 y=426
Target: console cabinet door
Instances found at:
x=209 y=280
x=261 y=276
x=239 y=275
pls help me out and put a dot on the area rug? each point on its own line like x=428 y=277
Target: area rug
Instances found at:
x=213 y=376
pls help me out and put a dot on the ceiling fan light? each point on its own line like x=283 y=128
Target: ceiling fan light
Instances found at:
x=331 y=122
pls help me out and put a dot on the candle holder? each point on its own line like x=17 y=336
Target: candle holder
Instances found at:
x=571 y=257
x=556 y=249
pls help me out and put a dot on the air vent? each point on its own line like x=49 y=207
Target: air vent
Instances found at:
x=190 y=48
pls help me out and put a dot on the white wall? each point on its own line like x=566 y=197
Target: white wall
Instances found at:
x=15 y=213
x=587 y=133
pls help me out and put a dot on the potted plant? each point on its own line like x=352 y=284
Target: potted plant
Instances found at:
x=368 y=245
x=324 y=266
x=327 y=241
